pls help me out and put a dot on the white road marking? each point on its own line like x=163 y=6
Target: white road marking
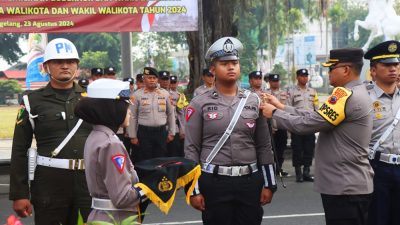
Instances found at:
x=264 y=217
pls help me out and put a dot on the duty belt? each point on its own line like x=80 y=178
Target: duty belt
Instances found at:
x=390 y=158
x=69 y=164
x=233 y=171
x=106 y=204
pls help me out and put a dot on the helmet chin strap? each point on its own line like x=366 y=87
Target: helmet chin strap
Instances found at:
x=61 y=81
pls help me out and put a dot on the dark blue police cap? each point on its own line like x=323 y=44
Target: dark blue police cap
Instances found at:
x=163 y=74
x=83 y=82
x=343 y=55
x=255 y=74
x=302 y=72
x=173 y=79
x=96 y=71
x=385 y=52
x=129 y=79
x=139 y=77
x=110 y=70
x=273 y=77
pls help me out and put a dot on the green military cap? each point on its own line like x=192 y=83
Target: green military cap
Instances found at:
x=385 y=52
x=343 y=55
x=224 y=49
x=150 y=71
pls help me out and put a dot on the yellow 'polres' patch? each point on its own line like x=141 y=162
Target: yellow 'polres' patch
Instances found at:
x=333 y=110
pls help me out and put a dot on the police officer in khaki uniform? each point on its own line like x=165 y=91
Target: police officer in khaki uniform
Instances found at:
x=110 y=72
x=384 y=145
x=58 y=189
x=208 y=80
x=109 y=172
x=139 y=81
x=152 y=113
x=175 y=147
x=303 y=97
x=240 y=178
x=255 y=81
x=343 y=174
x=96 y=73
x=279 y=135
x=163 y=79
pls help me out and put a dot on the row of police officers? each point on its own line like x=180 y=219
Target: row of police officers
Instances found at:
x=226 y=132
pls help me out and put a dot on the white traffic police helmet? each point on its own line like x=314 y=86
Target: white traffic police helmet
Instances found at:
x=224 y=49
x=108 y=89
x=60 y=48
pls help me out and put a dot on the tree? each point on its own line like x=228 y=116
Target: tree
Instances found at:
x=337 y=15
x=8 y=88
x=10 y=51
x=91 y=59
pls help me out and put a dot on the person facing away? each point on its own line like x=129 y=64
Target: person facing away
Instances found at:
x=110 y=173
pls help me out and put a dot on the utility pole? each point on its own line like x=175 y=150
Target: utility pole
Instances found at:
x=126 y=54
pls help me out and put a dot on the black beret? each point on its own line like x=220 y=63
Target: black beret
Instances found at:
x=255 y=74
x=173 y=79
x=302 y=72
x=129 y=79
x=150 y=71
x=96 y=71
x=343 y=55
x=163 y=74
x=109 y=70
x=273 y=77
x=385 y=52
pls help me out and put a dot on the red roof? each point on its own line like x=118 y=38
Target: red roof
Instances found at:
x=15 y=74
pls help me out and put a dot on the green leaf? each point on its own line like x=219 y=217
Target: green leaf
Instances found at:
x=130 y=220
x=99 y=223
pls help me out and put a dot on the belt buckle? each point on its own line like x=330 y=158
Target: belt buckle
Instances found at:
x=235 y=171
x=394 y=159
x=73 y=164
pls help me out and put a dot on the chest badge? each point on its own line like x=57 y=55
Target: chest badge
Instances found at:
x=212 y=115
x=250 y=124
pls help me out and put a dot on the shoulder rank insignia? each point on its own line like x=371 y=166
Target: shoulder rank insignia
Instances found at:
x=333 y=110
x=119 y=162
x=20 y=114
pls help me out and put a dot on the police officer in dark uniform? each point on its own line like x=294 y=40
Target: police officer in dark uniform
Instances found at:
x=384 y=145
x=303 y=97
x=58 y=189
x=280 y=135
x=96 y=73
x=238 y=175
x=343 y=174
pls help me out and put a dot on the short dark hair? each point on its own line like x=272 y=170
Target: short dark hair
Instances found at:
x=358 y=67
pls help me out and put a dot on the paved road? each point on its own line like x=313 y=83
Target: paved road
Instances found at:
x=297 y=204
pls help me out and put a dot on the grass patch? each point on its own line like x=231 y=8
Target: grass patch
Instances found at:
x=8 y=114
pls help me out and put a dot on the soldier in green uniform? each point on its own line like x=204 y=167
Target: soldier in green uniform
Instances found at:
x=57 y=189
